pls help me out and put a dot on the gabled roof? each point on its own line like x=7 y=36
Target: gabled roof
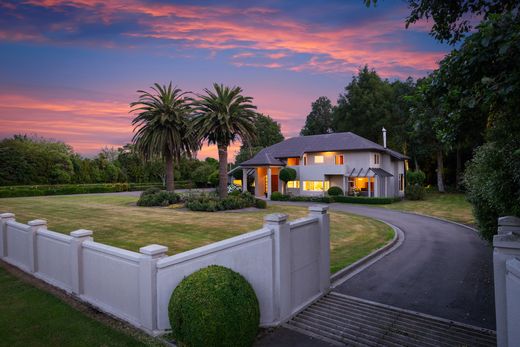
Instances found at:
x=296 y=146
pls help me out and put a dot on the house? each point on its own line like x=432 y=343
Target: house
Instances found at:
x=357 y=165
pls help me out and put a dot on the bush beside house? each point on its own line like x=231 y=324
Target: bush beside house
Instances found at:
x=277 y=196
x=214 y=306
x=414 y=189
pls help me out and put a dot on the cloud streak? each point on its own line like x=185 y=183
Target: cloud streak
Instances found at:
x=265 y=34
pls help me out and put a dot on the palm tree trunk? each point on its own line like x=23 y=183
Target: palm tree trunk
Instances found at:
x=170 y=185
x=222 y=171
x=440 y=169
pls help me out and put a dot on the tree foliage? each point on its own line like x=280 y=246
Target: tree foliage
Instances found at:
x=162 y=126
x=222 y=116
x=319 y=120
x=268 y=132
x=452 y=19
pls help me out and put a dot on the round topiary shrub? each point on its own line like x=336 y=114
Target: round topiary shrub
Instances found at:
x=214 y=306
x=335 y=191
x=288 y=174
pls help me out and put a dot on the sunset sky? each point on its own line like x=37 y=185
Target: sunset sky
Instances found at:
x=69 y=69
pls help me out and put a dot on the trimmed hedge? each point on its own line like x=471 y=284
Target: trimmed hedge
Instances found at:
x=259 y=203
x=214 y=306
x=66 y=189
x=330 y=199
x=335 y=191
x=365 y=200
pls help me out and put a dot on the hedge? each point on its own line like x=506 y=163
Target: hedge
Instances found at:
x=214 y=306
x=329 y=199
x=66 y=189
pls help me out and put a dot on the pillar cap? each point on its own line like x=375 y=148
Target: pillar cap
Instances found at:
x=277 y=218
x=319 y=208
x=6 y=215
x=153 y=249
x=37 y=222
x=509 y=221
x=81 y=233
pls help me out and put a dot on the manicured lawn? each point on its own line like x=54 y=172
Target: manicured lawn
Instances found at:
x=448 y=206
x=115 y=221
x=32 y=317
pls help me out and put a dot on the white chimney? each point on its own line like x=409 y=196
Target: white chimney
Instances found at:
x=384 y=137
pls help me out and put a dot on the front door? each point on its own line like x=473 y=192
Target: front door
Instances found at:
x=274 y=183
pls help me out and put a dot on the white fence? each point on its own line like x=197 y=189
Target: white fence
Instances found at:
x=506 y=265
x=287 y=263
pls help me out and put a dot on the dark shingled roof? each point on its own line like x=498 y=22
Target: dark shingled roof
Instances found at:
x=296 y=146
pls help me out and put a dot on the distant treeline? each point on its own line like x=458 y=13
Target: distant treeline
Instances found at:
x=26 y=160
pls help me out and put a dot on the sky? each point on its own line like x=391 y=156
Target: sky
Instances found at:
x=70 y=68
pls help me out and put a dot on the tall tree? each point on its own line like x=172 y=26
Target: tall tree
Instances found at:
x=319 y=120
x=268 y=132
x=162 y=124
x=451 y=20
x=222 y=116
x=370 y=103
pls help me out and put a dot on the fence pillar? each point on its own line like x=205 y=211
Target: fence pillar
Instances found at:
x=35 y=225
x=506 y=246
x=320 y=212
x=76 y=258
x=282 y=264
x=4 y=217
x=148 y=284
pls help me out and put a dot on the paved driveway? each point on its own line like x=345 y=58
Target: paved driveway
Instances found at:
x=442 y=269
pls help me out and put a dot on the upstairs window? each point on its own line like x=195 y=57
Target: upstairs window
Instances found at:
x=376 y=159
x=318 y=159
x=293 y=161
x=339 y=159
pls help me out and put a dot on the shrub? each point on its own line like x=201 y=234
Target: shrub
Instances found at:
x=61 y=189
x=157 y=197
x=277 y=196
x=414 y=189
x=414 y=192
x=214 y=306
x=259 y=203
x=335 y=191
x=287 y=174
x=212 y=203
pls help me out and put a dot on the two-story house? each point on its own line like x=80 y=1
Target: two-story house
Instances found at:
x=357 y=165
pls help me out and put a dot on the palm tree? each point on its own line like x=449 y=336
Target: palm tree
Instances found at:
x=221 y=117
x=161 y=125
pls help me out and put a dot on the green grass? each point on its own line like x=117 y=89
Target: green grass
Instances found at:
x=449 y=206
x=117 y=222
x=33 y=317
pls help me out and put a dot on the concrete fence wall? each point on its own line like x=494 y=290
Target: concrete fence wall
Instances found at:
x=506 y=266
x=287 y=264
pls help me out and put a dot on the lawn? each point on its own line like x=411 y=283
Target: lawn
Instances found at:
x=116 y=221
x=449 y=206
x=33 y=317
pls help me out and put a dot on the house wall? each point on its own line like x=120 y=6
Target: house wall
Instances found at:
x=286 y=263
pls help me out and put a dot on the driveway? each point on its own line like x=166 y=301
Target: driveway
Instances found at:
x=442 y=269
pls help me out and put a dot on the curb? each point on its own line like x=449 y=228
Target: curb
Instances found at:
x=353 y=269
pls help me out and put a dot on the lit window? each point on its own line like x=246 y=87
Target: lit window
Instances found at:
x=339 y=160
x=293 y=161
x=376 y=159
x=316 y=186
x=237 y=182
x=318 y=159
x=293 y=184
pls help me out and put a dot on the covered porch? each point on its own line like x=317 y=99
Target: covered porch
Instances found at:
x=263 y=180
x=370 y=182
